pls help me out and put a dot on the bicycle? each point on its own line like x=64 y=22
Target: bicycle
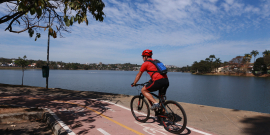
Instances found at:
x=171 y=114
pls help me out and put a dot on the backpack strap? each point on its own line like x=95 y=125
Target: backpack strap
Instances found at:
x=152 y=71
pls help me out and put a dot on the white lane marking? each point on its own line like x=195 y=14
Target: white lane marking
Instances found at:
x=198 y=131
x=103 y=131
x=107 y=108
x=151 y=130
x=64 y=126
x=195 y=130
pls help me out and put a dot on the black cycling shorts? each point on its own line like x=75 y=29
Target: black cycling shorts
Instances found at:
x=161 y=85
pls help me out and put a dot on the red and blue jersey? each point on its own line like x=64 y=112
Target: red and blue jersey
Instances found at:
x=148 y=66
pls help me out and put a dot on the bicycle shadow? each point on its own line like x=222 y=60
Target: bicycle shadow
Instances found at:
x=153 y=120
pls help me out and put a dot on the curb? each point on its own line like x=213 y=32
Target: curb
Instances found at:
x=53 y=123
x=45 y=115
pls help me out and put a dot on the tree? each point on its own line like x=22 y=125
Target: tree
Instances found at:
x=267 y=60
x=247 y=57
x=194 y=67
x=40 y=63
x=259 y=65
x=23 y=63
x=34 y=14
x=212 y=57
x=266 y=52
x=254 y=53
x=246 y=60
x=217 y=63
x=238 y=61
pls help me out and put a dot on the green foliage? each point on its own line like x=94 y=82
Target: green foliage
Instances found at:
x=247 y=57
x=31 y=32
x=267 y=60
x=266 y=53
x=260 y=65
x=40 y=63
x=22 y=62
x=207 y=65
x=40 y=9
x=254 y=53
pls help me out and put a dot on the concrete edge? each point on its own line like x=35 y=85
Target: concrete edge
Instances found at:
x=47 y=117
x=53 y=123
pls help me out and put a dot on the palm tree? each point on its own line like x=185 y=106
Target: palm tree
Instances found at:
x=266 y=52
x=247 y=58
x=217 y=63
x=212 y=57
x=254 y=53
x=207 y=59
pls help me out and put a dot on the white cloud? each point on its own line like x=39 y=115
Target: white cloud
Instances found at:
x=179 y=31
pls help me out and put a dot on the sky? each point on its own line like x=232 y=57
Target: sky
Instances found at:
x=178 y=31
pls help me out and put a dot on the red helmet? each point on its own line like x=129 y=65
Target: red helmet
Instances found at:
x=147 y=52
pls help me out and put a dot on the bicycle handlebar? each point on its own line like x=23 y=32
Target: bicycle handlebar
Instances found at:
x=142 y=84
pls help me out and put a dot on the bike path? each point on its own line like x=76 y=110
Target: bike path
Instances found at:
x=110 y=119
x=88 y=116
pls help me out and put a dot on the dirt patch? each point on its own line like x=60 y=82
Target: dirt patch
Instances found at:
x=22 y=121
x=25 y=128
x=10 y=109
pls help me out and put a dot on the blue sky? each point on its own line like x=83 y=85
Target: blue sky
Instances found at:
x=178 y=31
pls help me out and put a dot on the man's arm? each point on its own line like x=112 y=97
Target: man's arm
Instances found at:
x=138 y=76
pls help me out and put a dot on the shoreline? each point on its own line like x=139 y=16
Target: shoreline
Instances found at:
x=233 y=74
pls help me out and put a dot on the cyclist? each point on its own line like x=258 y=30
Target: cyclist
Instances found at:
x=157 y=82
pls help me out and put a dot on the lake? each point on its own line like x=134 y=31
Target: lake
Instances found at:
x=241 y=93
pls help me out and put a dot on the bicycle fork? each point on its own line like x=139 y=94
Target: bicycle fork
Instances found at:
x=140 y=103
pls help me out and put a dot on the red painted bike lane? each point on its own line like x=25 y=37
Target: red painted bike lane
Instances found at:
x=89 y=116
x=106 y=118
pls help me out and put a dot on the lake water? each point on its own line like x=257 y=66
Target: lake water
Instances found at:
x=242 y=93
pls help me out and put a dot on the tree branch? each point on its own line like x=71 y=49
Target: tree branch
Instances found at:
x=29 y=28
x=9 y=26
x=2 y=1
x=8 y=17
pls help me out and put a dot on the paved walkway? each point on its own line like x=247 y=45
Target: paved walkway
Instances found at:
x=90 y=116
x=83 y=115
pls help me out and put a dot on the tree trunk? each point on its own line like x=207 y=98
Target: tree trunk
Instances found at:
x=22 y=76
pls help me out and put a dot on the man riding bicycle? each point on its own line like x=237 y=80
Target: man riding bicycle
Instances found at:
x=157 y=82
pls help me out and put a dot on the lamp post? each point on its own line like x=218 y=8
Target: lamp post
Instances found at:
x=47 y=77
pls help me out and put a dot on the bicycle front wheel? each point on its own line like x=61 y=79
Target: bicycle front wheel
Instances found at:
x=175 y=119
x=140 y=109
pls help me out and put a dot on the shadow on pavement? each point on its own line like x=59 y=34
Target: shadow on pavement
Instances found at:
x=74 y=115
x=259 y=125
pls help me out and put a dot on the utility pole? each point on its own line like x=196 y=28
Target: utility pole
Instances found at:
x=47 y=77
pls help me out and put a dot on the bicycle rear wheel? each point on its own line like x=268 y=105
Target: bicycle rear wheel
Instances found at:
x=175 y=119
x=140 y=109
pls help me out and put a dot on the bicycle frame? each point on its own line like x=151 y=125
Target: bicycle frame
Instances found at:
x=172 y=116
x=161 y=102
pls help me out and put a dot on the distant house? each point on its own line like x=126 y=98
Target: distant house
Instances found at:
x=11 y=64
x=59 y=66
x=32 y=65
x=170 y=66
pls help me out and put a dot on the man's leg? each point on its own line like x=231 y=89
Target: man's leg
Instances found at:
x=146 y=93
